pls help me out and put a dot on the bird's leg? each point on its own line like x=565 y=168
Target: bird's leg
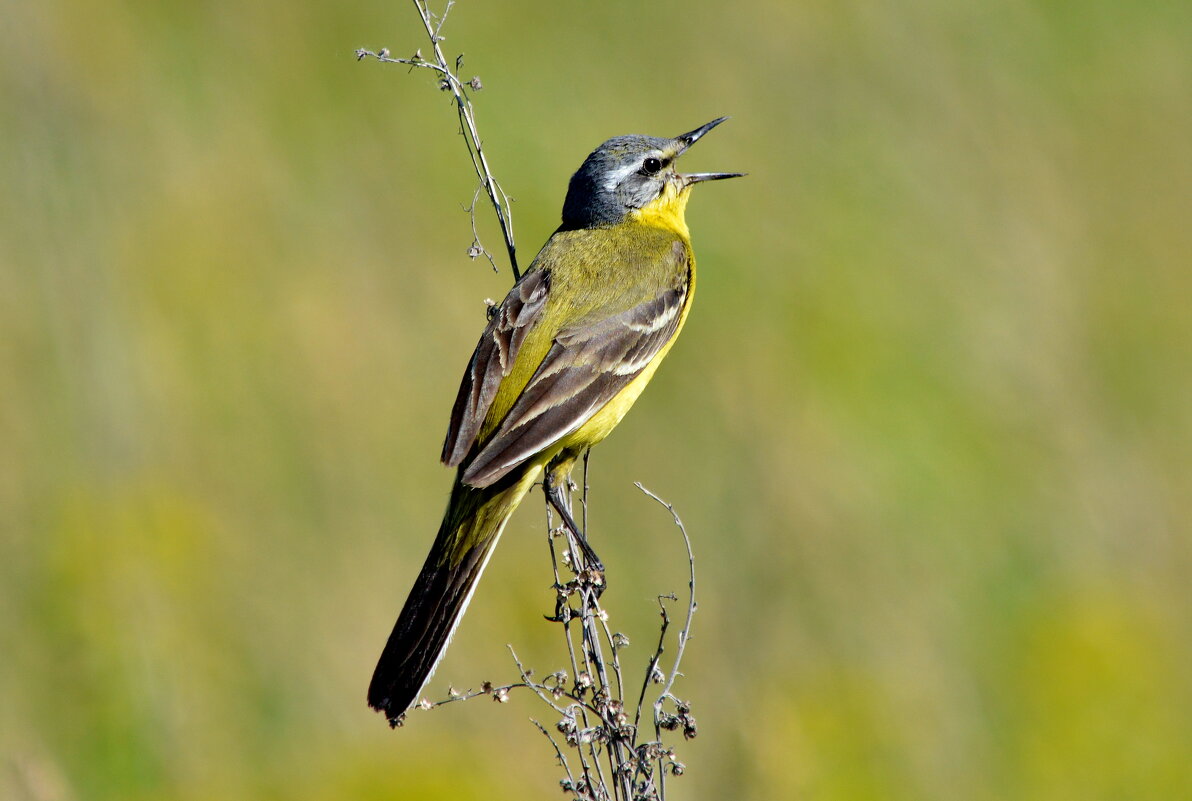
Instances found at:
x=554 y=484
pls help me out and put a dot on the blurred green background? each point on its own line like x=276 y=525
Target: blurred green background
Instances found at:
x=929 y=424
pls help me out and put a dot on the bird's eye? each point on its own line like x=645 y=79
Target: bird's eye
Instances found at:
x=651 y=166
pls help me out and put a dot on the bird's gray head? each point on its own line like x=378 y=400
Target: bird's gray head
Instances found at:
x=629 y=173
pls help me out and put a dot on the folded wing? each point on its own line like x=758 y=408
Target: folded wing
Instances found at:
x=492 y=360
x=586 y=367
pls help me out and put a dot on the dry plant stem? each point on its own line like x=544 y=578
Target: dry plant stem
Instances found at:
x=684 y=633
x=591 y=635
x=449 y=81
x=655 y=658
x=607 y=707
x=564 y=617
x=476 y=246
x=638 y=768
x=577 y=670
x=614 y=763
x=527 y=681
x=467 y=120
x=558 y=751
x=608 y=634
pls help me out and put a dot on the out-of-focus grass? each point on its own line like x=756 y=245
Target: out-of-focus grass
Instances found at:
x=929 y=423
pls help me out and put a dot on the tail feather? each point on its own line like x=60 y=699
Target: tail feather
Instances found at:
x=471 y=527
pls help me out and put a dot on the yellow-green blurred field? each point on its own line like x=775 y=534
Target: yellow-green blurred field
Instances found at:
x=929 y=425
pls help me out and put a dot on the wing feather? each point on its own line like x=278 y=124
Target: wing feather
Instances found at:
x=588 y=364
x=492 y=360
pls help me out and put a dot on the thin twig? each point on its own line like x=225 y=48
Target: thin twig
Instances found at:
x=449 y=81
x=558 y=753
x=683 y=717
x=653 y=674
x=685 y=632
x=563 y=611
x=476 y=248
x=609 y=707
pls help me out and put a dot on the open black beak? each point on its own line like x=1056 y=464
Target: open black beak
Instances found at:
x=690 y=138
x=696 y=177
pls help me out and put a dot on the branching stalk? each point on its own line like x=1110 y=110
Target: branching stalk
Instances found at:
x=450 y=81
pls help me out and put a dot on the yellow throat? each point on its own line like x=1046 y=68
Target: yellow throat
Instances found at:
x=667 y=211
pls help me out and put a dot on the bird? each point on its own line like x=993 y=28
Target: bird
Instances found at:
x=562 y=359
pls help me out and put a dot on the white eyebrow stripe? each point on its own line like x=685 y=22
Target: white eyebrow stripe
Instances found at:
x=613 y=180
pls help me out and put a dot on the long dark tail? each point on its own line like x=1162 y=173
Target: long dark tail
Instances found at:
x=471 y=527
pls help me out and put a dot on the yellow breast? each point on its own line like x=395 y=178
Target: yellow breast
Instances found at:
x=601 y=424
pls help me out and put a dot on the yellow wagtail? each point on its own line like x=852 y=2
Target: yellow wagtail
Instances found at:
x=562 y=359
